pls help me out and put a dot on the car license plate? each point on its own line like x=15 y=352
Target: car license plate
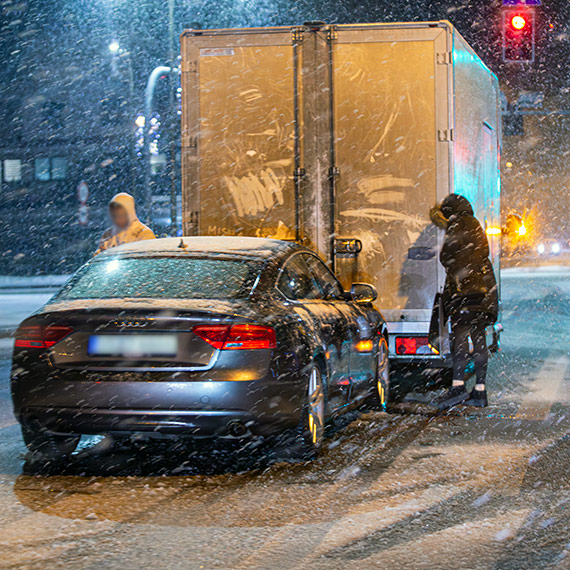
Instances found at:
x=133 y=345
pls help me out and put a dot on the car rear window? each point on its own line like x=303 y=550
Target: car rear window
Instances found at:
x=163 y=278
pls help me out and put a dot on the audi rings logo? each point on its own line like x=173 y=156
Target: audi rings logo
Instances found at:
x=130 y=324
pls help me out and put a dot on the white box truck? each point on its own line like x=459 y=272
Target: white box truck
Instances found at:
x=343 y=137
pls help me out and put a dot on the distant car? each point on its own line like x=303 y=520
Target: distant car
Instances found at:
x=226 y=336
x=549 y=247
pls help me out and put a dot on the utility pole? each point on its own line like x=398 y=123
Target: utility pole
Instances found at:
x=172 y=120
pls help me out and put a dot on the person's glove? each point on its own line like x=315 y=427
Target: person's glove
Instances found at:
x=437 y=218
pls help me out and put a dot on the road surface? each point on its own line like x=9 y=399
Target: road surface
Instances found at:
x=408 y=489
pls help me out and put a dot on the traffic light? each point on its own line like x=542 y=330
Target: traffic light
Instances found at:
x=519 y=35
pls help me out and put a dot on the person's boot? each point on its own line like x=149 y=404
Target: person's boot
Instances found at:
x=452 y=397
x=478 y=397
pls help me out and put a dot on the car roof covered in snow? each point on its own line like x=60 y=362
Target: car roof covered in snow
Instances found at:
x=232 y=245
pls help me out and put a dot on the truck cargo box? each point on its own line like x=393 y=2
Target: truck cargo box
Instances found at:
x=342 y=137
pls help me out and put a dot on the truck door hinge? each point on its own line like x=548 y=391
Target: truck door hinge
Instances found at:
x=332 y=33
x=189 y=142
x=444 y=58
x=189 y=66
x=297 y=35
x=334 y=172
x=445 y=135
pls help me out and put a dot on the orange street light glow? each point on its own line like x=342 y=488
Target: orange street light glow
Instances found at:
x=522 y=230
x=492 y=231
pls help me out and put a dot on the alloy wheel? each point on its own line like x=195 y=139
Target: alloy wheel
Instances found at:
x=316 y=407
x=383 y=373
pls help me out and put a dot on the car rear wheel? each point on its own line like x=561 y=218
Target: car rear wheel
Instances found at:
x=47 y=445
x=310 y=433
x=379 y=392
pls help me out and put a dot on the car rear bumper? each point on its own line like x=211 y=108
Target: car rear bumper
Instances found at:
x=194 y=424
x=195 y=409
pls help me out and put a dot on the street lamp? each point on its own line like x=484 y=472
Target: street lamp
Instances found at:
x=119 y=55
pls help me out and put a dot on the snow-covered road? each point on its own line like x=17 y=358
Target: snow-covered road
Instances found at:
x=406 y=489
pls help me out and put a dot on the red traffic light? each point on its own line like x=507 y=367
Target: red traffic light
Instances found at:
x=518 y=22
x=519 y=35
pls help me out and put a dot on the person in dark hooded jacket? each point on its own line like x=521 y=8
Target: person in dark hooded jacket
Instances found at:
x=470 y=296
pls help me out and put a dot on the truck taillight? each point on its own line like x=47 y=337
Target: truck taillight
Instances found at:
x=414 y=345
x=36 y=336
x=237 y=337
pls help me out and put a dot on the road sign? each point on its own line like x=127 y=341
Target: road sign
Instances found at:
x=82 y=196
x=83 y=214
x=522 y=2
x=82 y=192
x=530 y=100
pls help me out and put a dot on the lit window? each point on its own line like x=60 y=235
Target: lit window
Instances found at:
x=42 y=169
x=58 y=168
x=51 y=168
x=12 y=170
x=157 y=163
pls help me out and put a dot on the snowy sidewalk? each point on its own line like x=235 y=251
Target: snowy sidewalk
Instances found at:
x=21 y=296
x=12 y=282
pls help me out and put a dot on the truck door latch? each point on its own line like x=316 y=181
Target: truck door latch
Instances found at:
x=347 y=247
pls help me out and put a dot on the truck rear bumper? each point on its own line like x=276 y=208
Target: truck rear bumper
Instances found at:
x=445 y=361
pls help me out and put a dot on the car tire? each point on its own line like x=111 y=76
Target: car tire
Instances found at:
x=378 y=398
x=45 y=445
x=309 y=435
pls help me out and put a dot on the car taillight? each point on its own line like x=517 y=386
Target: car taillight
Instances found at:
x=237 y=337
x=414 y=345
x=250 y=337
x=212 y=334
x=35 y=336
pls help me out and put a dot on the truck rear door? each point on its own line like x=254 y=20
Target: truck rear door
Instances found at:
x=240 y=132
x=388 y=130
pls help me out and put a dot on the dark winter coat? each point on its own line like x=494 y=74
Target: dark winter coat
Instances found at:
x=470 y=281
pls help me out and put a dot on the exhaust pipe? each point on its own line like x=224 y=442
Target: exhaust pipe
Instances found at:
x=236 y=429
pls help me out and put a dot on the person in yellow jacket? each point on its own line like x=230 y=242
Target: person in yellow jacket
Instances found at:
x=126 y=226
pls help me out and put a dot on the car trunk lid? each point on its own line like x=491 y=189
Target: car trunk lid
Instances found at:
x=135 y=334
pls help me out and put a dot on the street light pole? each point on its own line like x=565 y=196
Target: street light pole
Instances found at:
x=148 y=99
x=120 y=54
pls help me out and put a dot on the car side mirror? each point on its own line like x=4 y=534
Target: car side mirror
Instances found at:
x=363 y=293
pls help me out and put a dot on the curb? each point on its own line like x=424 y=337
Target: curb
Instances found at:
x=46 y=282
